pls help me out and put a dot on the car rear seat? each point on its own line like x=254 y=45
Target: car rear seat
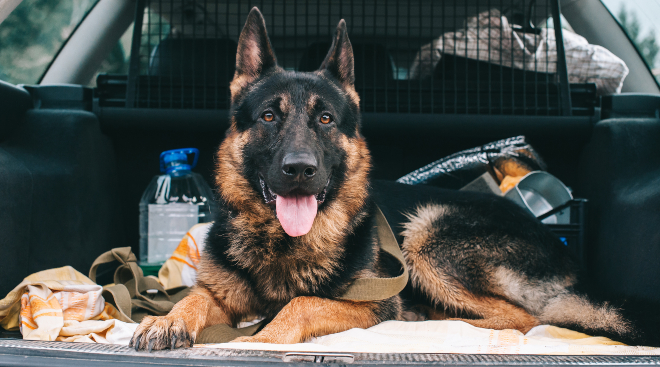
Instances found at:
x=212 y=59
x=373 y=63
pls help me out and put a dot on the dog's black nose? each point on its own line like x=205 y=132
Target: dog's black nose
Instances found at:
x=299 y=166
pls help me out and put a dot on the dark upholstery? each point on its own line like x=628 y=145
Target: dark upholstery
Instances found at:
x=58 y=195
x=620 y=174
x=14 y=102
x=459 y=68
x=211 y=59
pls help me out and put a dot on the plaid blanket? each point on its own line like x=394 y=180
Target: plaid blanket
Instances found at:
x=489 y=37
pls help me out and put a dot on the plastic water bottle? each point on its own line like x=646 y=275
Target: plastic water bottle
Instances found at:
x=171 y=205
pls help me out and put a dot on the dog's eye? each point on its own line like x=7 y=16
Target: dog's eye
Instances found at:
x=326 y=118
x=268 y=116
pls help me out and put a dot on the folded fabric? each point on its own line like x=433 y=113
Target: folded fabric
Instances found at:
x=452 y=337
x=54 y=279
x=181 y=268
x=62 y=304
x=489 y=37
x=43 y=312
x=97 y=331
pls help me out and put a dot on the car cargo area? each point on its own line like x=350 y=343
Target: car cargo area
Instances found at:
x=75 y=160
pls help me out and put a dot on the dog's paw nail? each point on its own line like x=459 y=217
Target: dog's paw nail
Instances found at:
x=173 y=344
x=151 y=345
x=137 y=339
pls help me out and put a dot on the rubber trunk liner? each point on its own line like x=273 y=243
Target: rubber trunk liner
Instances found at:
x=26 y=353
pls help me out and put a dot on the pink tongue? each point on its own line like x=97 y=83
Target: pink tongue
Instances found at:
x=296 y=213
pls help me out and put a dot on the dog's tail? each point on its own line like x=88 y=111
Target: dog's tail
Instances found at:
x=569 y=309
x=631 y=321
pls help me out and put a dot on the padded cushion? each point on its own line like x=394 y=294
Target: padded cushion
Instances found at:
x=211 y=59
x=58 y=195
x=459 y=68
x=620 y=174
x=14 y=102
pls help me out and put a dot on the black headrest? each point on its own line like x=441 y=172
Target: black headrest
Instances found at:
x=373 y=63
x=459 y=67
x=213 y=59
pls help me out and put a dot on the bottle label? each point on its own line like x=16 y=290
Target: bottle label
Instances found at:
x=168 y=225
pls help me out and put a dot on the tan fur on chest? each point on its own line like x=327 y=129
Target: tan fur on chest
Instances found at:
x=284 y=267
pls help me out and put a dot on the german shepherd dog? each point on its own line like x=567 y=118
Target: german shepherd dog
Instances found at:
x=296 y=226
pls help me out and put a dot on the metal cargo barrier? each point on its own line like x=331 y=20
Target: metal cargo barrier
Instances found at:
x=486 y=57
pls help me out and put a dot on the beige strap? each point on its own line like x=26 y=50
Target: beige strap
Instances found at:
x=130 y=289
x=118 y=296
x=374 y=289
x=223 y=333
x=128 y=297
x=121 y=254
x=362 y=289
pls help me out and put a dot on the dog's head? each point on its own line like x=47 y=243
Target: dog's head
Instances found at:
x=294 y=148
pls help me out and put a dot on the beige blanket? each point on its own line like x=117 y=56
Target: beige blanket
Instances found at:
x=452 y=337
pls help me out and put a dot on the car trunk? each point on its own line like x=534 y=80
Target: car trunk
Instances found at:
x=75 y=160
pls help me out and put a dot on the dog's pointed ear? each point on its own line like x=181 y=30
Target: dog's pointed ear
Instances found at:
x=254 y=55
x=339 y=61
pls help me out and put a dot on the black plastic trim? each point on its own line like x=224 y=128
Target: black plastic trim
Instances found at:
x=562 y=68
x=134 y=66
x=117 y=119
x=61 y=96
x=631 y=105
x=14 y=102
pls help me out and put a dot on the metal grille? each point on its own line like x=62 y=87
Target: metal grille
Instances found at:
x=219 y=356
x=411 y=56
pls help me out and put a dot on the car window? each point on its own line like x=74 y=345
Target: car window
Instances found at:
x=641 y=21
x=32 y=35
x=119 y=58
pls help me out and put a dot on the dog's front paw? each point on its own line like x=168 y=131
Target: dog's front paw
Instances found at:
x=244 y=339
x=254 y=339
x=156 y=333
x=267 y=336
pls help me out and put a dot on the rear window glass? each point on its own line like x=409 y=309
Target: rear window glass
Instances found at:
x=32 y=35
x=641 y=21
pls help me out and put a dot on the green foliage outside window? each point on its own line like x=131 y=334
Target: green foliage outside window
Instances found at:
x=33 y=33
x=647 y=45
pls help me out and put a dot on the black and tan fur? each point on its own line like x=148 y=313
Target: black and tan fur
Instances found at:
x=477 y=258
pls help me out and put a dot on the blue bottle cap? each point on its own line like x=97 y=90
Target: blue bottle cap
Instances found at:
x=177 y=160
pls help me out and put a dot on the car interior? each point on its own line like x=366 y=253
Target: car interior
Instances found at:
x=74 y=159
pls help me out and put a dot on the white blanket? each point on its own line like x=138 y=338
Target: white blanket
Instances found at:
x=452 y=337
x=406 y=336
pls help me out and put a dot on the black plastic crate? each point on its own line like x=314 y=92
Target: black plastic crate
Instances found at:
x=573 y=235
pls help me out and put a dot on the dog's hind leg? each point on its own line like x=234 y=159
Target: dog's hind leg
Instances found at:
x=306 y=317
x=441 y=265
x=499 y=314
x=495 y=312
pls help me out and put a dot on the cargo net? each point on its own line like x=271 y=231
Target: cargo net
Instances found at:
x=450 y=57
